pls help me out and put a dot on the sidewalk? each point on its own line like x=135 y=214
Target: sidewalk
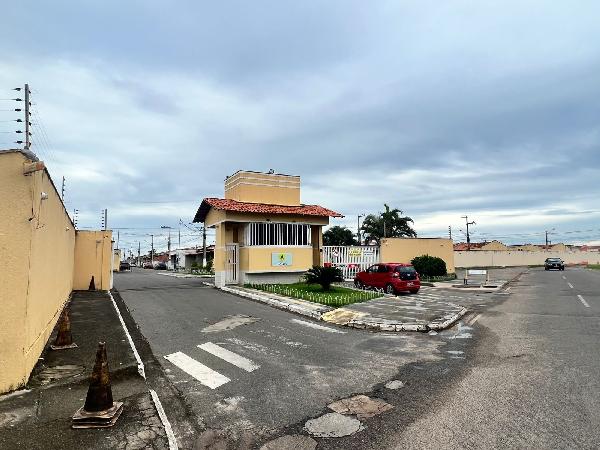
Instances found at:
x=387 y=313
x=401 y=313
x=39 y=417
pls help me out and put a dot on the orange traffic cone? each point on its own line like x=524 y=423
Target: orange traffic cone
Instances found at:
x=64 y=339
x=99 y=410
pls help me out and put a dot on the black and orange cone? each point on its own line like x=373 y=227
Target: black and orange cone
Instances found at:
x=99 y=410
x=92 y=286
x=64 y=339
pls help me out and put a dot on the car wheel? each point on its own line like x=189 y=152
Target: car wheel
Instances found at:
x=389 y=289
x=359 y=284
x=414 y=291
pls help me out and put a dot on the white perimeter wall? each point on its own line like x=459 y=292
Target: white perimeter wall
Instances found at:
x=497 y=258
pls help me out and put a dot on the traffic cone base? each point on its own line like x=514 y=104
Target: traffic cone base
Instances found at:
x=97 y=419
x=99 y=409
x=64 y=339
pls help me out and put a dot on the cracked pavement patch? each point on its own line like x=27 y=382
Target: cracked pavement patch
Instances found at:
x=229 y=323
x=360 y=406
x=295 y=442
x=333 y=425
x=394 y=384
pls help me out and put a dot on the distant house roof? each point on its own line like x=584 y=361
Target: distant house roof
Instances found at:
x=263 y=208
x=192 y=250
x=461 y=246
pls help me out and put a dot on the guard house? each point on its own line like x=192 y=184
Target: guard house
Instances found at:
x=263 y=233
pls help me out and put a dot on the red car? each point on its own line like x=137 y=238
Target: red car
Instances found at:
x=392 y=277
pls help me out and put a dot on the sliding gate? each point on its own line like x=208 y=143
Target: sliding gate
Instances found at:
x=350 y=259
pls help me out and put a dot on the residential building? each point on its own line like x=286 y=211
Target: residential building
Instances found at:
x=263 y=232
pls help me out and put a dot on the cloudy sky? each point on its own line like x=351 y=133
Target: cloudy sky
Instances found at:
x=487 y=108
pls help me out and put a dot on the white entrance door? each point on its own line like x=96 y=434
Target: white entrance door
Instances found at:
x=232 y=267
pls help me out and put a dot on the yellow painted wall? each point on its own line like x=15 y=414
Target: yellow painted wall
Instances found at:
x=93 y=257
x=258 y=259
x=37 y=242
x=527 y=248
x=404 y=250
x=560 y=247
x=257 y=187
x=516 y=258
x=116 y=260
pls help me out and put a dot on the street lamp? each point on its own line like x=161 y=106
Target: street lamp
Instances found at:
x=468 y=236
x=358 y=227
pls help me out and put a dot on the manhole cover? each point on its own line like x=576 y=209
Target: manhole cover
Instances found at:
x=333 y=425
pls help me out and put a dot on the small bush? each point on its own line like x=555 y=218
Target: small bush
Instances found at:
x=429 y=266
x=209 y=265
x=323 y=276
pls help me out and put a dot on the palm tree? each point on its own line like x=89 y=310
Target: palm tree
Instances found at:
x=389 y=223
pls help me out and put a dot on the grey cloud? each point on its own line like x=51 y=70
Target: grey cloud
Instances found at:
x=165 y=101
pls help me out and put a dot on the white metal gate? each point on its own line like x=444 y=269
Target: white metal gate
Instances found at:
x=350 y=259
x=232 y=256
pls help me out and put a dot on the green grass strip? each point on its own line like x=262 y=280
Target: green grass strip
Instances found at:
x=336 y=297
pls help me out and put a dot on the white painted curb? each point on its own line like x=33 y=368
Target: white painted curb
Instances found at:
x=141 y=370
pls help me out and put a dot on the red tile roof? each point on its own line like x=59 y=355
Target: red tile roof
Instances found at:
x=262 y=208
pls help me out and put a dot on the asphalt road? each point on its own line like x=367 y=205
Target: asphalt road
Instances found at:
x=533 y=377
x=519 y=371
x=302 y=367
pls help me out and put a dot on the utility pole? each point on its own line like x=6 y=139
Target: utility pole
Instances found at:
x=450 y=232
x=168 y=241
x=27 y=113
x=139 y=254
x=75 y=212
x=204 y=245
x=62 y=191
x=118 y=237
x=468 y=235
x=152 y=250
x=358 y=227
x=105 y=219
x=547 y=233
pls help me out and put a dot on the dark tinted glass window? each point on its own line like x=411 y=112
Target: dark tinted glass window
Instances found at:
x=405 y=269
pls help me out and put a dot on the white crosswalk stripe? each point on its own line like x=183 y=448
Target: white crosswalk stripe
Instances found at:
x=229 y=356
x=199 y=371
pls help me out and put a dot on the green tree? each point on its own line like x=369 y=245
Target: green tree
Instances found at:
x=339 y=236
x=429 y=266
x=389 y=223
x=323 y=276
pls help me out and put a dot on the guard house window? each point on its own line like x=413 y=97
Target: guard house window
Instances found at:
x=277 y=234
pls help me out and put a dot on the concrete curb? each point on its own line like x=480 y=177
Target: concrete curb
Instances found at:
x=183 y=275
x=308 y=309
x=297 y=306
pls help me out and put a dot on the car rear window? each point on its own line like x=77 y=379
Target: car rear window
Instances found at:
x=405 y=269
